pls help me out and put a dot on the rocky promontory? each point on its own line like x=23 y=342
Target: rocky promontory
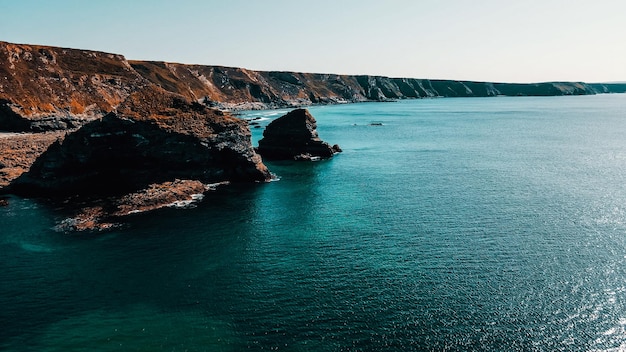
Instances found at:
x=119 y=136
x=294 y=137
x=154 y=140
x=153 y=137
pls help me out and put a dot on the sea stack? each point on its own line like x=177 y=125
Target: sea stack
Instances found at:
x=294 y=137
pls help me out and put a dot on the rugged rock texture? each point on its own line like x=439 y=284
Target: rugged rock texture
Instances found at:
x=153 y=137
x=237 y=88
x=107 y=213
x=18 y=151
x=294 y=137
x=47 y=88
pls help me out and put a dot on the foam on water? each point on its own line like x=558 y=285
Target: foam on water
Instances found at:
x=29 y=247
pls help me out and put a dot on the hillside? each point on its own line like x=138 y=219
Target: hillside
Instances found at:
x=49 y=88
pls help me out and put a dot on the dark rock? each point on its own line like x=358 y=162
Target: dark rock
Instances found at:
x=4 y=201
x=153 y=137
x=107 y=213
x=18 y=152
x=294 y=136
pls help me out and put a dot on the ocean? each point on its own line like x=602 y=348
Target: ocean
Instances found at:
x=455 y=224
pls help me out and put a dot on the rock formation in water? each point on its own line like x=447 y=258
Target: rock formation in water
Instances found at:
x=155 y=150
x=102 y=214
x=294 y=137
x=152 y=137
x=49 y=88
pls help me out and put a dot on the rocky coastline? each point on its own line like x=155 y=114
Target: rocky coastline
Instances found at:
x=155 y=149
x=110 y=137
x=45 y=88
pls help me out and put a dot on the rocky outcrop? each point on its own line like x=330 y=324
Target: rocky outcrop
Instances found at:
x=156 y=149
x=48 y=88
x=107 y=213
x=18 y=151
x=153 y=137
x=294 y=137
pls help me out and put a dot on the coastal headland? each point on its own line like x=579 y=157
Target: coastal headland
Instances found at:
x=122 y=136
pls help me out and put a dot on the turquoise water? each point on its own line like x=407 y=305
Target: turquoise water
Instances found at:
x=458 y=224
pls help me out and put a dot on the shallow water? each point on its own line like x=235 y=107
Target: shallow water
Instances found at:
x=457 y=224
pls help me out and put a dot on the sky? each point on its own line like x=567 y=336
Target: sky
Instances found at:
x=476 y=40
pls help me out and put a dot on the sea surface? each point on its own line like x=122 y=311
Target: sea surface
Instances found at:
x=457 y=224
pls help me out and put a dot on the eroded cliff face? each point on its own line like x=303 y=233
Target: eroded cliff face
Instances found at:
x=237 y=88
x=234 y=88
x=153 y=137
x=47 y=88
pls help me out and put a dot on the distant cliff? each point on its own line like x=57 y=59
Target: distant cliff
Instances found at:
x=50 y=88
x=608 y=87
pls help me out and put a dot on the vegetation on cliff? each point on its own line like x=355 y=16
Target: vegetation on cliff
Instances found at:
x=50 y=88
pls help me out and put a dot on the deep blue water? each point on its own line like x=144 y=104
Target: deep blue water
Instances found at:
x=494 y=224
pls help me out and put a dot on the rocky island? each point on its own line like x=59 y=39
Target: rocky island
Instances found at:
x=294 y=137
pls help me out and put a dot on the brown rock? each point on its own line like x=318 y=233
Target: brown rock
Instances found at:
x=154 y=137
x=18 y=151
x=49 y=88
x=108 y=213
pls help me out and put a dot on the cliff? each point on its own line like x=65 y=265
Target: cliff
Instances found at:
x=608 y=87
x=49 y=88
x=153 y=137
x=156 y=149
x=237 y=88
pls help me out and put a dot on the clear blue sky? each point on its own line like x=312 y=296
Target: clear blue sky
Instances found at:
x=483 y=40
